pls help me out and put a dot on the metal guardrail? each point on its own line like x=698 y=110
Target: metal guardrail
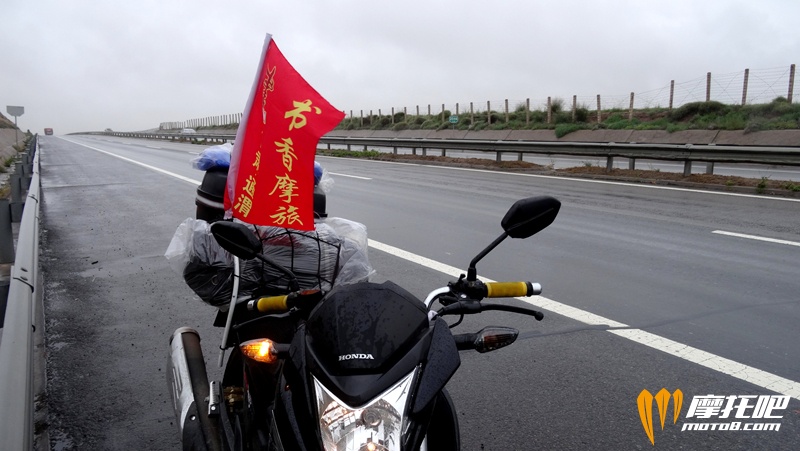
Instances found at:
x=688 y=153
x=16 y=347
x=668 y=152
x=214 y=137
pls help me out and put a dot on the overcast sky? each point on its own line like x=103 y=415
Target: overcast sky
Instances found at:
x=83 y=65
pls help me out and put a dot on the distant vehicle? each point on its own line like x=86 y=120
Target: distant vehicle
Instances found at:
x=108 y=130
x=48 y=131
x=188 y=131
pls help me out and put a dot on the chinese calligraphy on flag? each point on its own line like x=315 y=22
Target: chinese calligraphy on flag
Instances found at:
x=271 y=177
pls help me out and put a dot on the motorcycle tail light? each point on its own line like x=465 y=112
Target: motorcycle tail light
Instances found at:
x=261 y=350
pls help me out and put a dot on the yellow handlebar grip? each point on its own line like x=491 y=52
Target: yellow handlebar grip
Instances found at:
x=272 y=304
x=508 y=289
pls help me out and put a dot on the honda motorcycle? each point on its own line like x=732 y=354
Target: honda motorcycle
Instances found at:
x=362 y=367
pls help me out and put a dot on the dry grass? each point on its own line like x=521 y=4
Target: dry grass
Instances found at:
x=711 y=180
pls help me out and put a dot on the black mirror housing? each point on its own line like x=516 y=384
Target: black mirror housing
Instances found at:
x=529 y=216
x=237 y=238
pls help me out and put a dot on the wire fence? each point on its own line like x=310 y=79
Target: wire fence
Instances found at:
x=735 y=88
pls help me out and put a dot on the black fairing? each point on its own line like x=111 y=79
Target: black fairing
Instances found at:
x=442 y=362
x=385 y=321
x=365 y=327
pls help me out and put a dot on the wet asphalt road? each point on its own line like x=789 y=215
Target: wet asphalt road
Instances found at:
x=646 y=259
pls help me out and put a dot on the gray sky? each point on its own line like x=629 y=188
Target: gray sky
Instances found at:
x=84 y=65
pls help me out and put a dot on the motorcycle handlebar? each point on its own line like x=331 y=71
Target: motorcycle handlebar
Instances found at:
x=278 y=304
x=274 y=304
x=512 y=289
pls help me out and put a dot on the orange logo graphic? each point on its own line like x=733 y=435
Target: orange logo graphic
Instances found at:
x=645 y=402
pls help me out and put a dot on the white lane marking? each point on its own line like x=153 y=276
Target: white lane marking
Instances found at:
x=351 y=176
x=729 y=367
x=153 y=147
x=152 y=168
x=755 y=237
x=580 y=180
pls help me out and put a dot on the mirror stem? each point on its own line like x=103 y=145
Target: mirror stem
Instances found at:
x=293 y=283
x=472 y=273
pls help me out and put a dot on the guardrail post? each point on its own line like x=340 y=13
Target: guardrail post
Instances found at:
x=610 y=163
x=6 y=234
x=25 y=178
x=687 y=168
x=499 y=156
x=710 y=167
x=17 y=204
x=444 y=152
x=631 y=164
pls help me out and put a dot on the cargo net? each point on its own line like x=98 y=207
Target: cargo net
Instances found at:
x=207 y=269
x=312 y=257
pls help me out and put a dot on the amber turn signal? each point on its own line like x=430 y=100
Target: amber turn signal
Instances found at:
x=261 y=350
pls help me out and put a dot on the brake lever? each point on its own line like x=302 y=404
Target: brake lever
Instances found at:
x=514 y=309
x=471 y=306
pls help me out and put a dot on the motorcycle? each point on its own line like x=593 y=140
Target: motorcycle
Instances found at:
x=362 y=367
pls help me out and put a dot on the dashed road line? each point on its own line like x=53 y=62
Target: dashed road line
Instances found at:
x=756 y=237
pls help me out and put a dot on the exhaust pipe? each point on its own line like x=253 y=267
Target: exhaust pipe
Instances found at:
x=189 y=388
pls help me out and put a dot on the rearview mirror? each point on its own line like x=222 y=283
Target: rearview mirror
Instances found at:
x=529 y=216
x=525 y=218
x=237 y=239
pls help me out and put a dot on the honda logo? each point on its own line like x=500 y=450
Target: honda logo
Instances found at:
x=356 y=357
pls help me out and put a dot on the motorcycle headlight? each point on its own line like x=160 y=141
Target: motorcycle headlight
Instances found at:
x=376 y=426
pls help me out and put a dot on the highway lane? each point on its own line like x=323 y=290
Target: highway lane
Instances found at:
x=643 y=257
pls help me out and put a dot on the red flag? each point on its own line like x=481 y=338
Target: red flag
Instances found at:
x=271 y=178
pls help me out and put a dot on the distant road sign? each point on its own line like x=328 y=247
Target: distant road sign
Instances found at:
x=453 y=119
x=15 y=110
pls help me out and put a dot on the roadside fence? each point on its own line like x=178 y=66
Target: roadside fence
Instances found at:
x=736 y=88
